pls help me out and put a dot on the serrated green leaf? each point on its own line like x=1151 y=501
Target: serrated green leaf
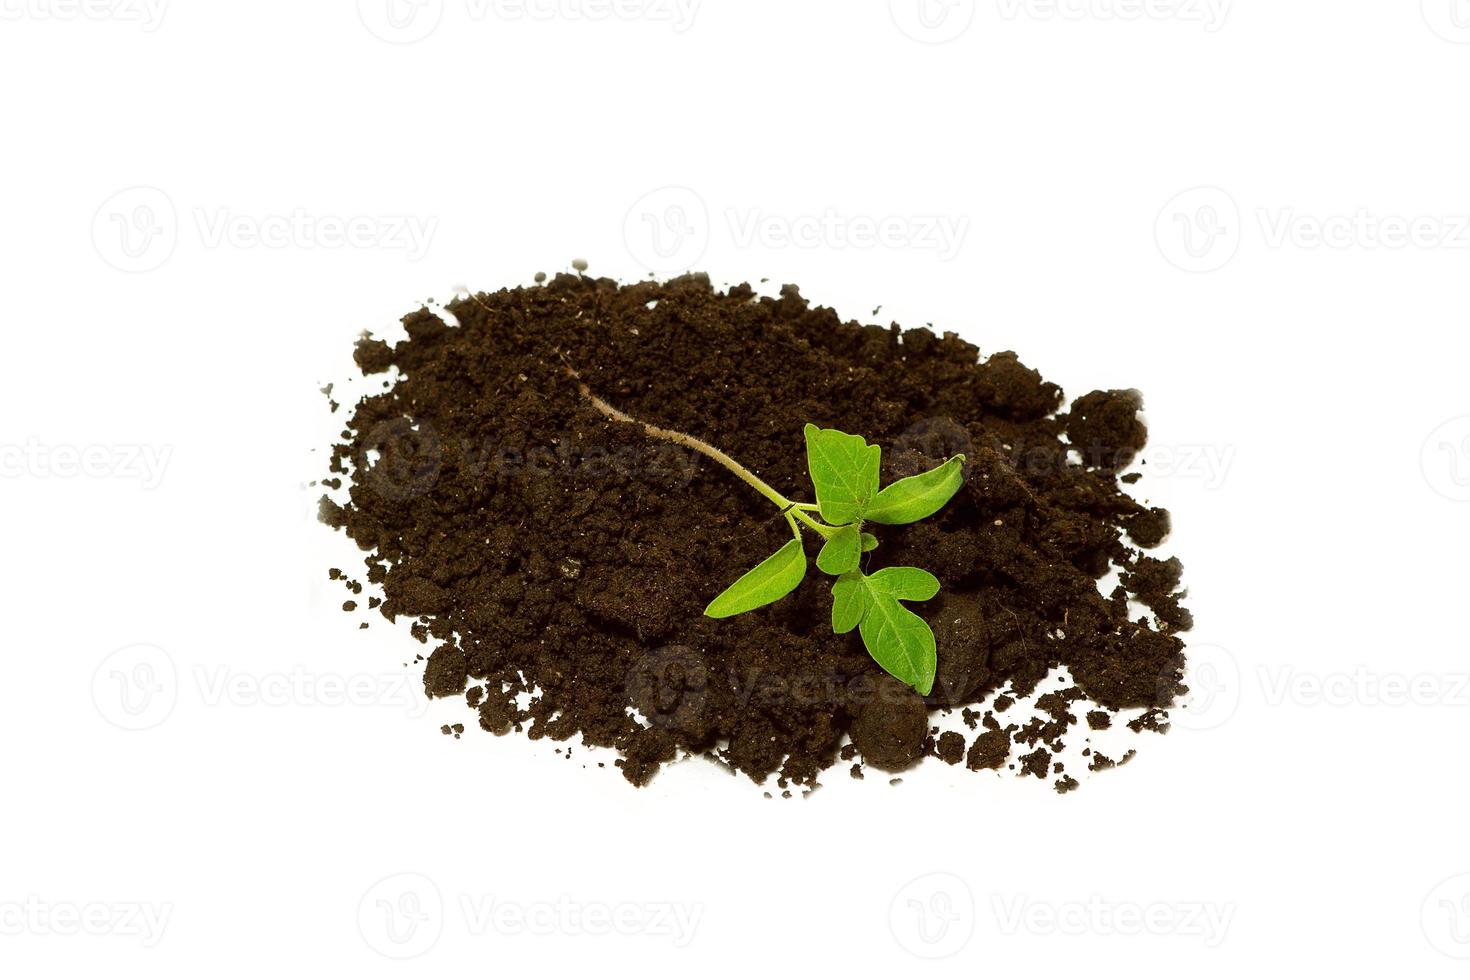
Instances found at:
x=900 y=642
x=765 y=583
x=917 y=497
x=849 y=601
x=842 y=552
x=903 y=582
x=869 y=542
x=844 y=471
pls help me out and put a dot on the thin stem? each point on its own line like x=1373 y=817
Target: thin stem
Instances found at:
x=822 y=529
x=688 y=441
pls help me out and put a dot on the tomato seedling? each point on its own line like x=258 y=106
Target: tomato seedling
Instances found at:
x=844 y=472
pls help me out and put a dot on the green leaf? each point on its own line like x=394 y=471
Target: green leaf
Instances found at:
x=900 y=642
x=844 y=471
x=916 y=497
x=765 y=583
x=842 y=552
x=850 y=601
x=903 y=582
x=869 y=542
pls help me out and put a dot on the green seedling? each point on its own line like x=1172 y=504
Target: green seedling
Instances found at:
x=844 y=471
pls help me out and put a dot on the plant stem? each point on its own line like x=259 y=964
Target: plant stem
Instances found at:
x=822 y=529
x=792 y=510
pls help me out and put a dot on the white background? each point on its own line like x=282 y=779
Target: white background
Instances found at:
x=1255 y=213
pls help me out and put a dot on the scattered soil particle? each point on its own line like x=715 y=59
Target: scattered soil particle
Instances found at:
x=1152 y=720
x=990 y=750
x=951 y=747
x=549 y=555
x=1156 y=584
x=1066 y=784
x=1105 y=428
x=1099 y=720
x=1036 y=763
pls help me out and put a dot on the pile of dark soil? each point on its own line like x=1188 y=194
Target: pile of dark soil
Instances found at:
x=559 y=561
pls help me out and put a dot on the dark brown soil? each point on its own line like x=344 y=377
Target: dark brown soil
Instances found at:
x=544 y=550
